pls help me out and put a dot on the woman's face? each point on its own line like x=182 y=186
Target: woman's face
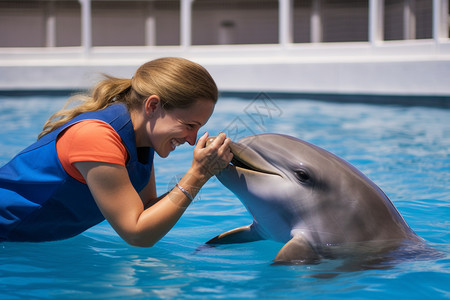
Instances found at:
x=168 y=129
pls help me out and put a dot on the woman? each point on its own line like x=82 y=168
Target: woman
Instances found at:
x=95 y=160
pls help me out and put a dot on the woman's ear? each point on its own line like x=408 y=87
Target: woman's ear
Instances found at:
x=152 y=104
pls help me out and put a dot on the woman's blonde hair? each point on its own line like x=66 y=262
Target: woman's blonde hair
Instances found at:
x=176 y=81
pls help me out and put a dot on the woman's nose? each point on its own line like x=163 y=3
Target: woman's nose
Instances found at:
x=192 y=138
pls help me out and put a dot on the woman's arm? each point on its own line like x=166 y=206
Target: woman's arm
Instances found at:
x=123 y=207
x=148 y=195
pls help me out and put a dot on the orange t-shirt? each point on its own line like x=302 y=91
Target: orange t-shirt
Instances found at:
x=89 y=140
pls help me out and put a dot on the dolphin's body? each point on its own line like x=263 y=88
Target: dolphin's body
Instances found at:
x=316 y=203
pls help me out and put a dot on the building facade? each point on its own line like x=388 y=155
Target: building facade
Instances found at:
x=58 y=23
x=309 y=47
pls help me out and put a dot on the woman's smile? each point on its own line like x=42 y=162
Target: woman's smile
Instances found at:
x=175 y=144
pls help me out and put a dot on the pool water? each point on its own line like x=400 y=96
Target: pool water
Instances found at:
x=405 y=150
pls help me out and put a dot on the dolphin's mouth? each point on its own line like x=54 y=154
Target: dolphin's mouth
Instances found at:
x=241 y=164
x=244 y=158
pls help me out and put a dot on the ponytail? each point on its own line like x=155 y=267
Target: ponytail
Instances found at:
x=104 y=93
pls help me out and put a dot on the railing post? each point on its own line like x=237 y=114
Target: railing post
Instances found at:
x=150 y=25
x=186 y=23
x=316 y=22
x=50 y=25
x=285 y=22
x=409 y=19
x=86 y=26
x=376 y=17
x=440 y=20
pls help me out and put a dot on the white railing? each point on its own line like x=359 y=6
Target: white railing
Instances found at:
x=376 y=28
x=396 y=67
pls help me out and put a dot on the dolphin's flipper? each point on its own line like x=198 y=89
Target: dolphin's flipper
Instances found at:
x=242 y=234
x=297 y=251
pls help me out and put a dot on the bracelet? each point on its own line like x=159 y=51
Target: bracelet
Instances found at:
x=185 y=192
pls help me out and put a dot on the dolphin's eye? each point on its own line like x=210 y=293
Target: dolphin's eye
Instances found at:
x=302 y=175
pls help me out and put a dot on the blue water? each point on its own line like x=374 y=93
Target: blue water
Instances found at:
x=405 y=150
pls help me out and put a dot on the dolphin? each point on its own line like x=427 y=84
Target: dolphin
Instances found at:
x=317 y=204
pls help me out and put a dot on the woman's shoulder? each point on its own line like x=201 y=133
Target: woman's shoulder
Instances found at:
x=92 y=135
x=85 y=126
x=89 y=140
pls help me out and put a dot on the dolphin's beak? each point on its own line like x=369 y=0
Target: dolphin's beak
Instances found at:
x=246 y=159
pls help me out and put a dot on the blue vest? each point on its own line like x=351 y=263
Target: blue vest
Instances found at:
x=39 y=201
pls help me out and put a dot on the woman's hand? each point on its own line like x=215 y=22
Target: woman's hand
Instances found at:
x=210 y=160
